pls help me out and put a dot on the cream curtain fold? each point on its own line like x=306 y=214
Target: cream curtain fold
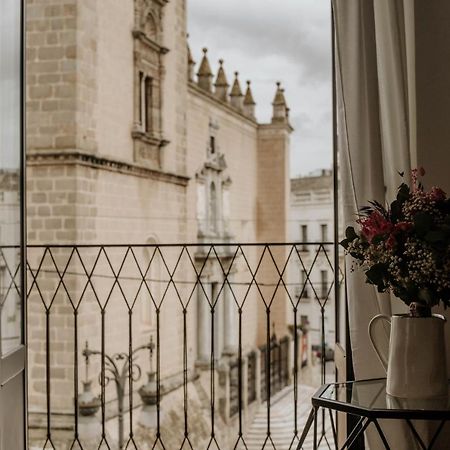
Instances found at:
x=375 y=102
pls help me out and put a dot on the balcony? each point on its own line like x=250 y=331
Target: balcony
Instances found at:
x=165 y=346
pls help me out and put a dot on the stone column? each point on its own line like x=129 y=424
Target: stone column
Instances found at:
x=231 y=320
x=204 y=323
x=218 y=320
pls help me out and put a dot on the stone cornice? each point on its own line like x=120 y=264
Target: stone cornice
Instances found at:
x=194 y=89
x=140 y=35
x=149 y=138
x=75 y=157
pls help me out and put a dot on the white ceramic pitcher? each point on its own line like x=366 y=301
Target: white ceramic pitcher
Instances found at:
x=416 y=365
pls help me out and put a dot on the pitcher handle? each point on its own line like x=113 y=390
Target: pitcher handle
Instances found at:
x=382 y=356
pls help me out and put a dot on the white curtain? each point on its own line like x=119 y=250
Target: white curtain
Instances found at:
x=376 y=140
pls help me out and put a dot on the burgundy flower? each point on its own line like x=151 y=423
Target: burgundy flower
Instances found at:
x=374 y=225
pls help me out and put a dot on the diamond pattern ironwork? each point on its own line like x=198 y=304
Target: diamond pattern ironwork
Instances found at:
x=102 y=294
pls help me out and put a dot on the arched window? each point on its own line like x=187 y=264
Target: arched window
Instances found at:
x=150 y=28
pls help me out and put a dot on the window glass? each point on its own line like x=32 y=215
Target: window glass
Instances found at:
x=148 y=105
x=10 y=148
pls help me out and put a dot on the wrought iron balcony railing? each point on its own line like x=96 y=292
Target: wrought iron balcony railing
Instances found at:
x=220 y=330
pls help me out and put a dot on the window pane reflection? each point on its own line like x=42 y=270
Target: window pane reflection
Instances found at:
x=10 y=129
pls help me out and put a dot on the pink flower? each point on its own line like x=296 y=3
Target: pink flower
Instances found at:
x=374 y=225
x=437 y=194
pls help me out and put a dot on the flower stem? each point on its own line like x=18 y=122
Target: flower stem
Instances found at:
x=418 y=309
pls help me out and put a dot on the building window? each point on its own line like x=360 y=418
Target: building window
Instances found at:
x=141 y=99
x=151 y=29
x=304 y=237
x=304 y=285
x=212 y=145
x=323 y=284
x=146 y=103
x=147 y=131
x=148 y=93
x=324 y=232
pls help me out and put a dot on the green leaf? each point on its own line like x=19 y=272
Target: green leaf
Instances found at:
x=422 y=223
x=403 y=193
x=396 y=211
x=376 y=274
x=350 y=234
x=344 y=243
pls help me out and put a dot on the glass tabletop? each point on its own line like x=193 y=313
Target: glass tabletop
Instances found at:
x=370 y=395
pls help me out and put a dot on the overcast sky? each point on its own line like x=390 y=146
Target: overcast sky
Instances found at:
x=271 y=40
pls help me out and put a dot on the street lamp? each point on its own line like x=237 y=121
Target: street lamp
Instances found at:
x=119 y=367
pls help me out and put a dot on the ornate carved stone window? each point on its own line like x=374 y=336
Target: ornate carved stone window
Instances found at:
x=213 y=191
x=149 y=69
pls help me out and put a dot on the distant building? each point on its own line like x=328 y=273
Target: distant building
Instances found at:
x=9 y=260
x=311 y=221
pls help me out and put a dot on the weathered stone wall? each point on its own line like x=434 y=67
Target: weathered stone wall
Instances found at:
x=61 y=53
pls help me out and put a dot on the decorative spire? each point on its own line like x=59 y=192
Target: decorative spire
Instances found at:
x=280 y=110
x=204 y=73
x=249 y=102
x=221 y=83
x=236 y=96
x=191 y=63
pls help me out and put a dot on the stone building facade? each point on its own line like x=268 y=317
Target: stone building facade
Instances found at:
x=129 y=141
x=311 y=220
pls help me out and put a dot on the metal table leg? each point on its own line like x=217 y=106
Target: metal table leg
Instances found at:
x=306 y=429
x=382 y=436
x=356 y=432
x=315 y=428
x=438 y=432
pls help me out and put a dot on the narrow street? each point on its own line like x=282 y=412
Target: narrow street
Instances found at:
x=282 y=422
x=282 y=414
